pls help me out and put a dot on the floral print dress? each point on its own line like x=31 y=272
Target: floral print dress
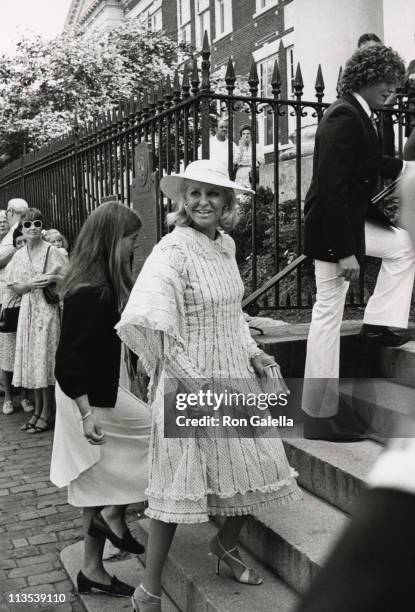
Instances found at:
x=39 y=322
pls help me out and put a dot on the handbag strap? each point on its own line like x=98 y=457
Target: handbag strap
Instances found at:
x=46 y=259
x=12 y=303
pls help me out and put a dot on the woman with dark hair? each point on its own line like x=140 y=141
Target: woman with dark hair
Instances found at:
x=184 y=321
x=36 y=266
x=101 y=433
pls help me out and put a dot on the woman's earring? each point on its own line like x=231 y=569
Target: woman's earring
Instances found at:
x=185 y=205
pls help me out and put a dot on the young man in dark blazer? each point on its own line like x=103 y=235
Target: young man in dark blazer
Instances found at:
x=341 y=226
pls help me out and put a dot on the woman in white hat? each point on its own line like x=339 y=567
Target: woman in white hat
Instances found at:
x=184 y=321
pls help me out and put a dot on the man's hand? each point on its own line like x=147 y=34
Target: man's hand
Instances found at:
x=349 y=268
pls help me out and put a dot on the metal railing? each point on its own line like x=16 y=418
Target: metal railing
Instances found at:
x=69 y=178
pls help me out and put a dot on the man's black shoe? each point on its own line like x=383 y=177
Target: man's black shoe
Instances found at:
x=351 y=420
x=383 y=335
x=330 y=429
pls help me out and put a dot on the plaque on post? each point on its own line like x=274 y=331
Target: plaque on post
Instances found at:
x=144 y=196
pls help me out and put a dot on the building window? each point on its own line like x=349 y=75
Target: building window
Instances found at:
x=151 y=17
x=156 y=21
x=202 y=21
x=289 y=16
x=184 y=19
x=262 y=5
x=290 y=70
x=223 y=17
x=266 y=128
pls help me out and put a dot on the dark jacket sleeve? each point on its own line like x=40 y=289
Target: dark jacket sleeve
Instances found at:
x=338 y=141
x=390 y=167
x=370 y=569
x=80 y=329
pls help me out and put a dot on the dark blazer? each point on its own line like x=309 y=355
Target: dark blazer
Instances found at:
x=89 y=352
x=371 y=568
x=346 y=167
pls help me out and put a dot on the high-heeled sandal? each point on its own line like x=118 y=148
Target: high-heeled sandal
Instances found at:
x=29 y=424
x=36 y=429
x=144 y=601
x=247 y=575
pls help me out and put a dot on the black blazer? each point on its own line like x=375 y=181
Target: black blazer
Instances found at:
x=346 y=167
x=89 y=352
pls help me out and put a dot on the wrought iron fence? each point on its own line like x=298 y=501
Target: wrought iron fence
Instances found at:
x=70 y=177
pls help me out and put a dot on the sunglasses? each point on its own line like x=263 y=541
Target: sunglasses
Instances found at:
x=29 y=224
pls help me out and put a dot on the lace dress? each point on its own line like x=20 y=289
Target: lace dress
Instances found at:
x=184 y=321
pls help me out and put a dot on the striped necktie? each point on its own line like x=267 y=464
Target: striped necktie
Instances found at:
x=374 y=123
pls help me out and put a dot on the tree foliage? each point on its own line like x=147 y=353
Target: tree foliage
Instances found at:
x=45 y=85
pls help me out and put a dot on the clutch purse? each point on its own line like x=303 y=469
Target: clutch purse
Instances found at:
x=50 y=294
x=274 y=382
x=49 y=291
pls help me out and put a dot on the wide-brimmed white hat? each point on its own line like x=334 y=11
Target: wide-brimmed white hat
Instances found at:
x=203 y=171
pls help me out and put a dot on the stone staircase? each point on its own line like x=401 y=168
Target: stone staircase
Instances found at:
x=288 y=545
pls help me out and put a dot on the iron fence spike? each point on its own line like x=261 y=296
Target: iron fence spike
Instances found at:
x=339 y=81
x=167 y=89
x=298 y=80
x=253 y=75
x=205 y=45
x=176 y=82
x=276 y=79
x=319 y=84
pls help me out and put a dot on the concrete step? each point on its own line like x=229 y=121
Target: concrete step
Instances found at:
x=189 y=580
x=381 y=402
x=129 y=570
x=288 y=345
x=333 y=472
x=294 y=540
x=398 y=362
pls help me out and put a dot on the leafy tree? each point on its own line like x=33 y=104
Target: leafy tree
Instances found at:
x=45 y=85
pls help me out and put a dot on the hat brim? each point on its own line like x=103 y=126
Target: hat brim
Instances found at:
x=171 y=185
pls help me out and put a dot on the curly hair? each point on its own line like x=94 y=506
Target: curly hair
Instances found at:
x=371 y=65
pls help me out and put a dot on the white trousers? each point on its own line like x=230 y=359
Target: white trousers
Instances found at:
x=389 y=305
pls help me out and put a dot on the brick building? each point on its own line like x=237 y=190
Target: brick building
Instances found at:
x=321 y=32
x=244 y=30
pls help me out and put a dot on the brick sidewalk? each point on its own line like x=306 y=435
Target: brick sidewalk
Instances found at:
x=36 y=521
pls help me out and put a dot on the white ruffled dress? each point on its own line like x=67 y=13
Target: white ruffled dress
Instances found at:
x=184 y=321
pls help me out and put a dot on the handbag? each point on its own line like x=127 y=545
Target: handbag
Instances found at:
x=9 y=317
x=273 y=381
x=49 y=292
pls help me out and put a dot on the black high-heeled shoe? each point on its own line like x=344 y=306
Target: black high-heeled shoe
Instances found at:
x=100 y=527
x=116 y=588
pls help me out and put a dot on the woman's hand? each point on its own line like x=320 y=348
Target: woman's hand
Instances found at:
x=92 y=430
x=259 y=362
x=38 y=282
x=54 y=278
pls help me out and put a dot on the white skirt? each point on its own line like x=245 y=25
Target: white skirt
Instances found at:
x=114 y=473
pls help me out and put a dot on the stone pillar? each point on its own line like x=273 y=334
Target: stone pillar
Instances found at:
x=326 y=33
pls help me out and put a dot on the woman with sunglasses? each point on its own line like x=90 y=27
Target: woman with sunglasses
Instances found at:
x=33 y=268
